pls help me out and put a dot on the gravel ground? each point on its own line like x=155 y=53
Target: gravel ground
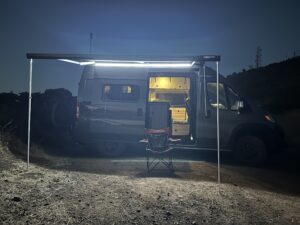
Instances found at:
x=93 y=190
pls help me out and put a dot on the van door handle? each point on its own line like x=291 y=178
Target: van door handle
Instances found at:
x=139 y=112
x=208 y=113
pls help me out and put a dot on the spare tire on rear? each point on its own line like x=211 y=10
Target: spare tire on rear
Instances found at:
x=63 y=113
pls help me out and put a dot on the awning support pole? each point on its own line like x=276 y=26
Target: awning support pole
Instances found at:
x=218 y=126
x=204 y=81
x=29 y=111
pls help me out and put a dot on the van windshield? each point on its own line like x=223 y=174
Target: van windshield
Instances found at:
x=212 y=95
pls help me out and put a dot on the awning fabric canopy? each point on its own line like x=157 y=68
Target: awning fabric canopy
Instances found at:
x=130 y=60
x=96 y=57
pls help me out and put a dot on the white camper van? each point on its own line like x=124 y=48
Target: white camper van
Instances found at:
x=112 y=111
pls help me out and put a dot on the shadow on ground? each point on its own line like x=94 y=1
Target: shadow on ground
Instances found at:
x=279 y=174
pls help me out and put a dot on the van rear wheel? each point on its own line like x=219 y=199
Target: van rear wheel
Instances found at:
x=111 y=149
x=250 y=149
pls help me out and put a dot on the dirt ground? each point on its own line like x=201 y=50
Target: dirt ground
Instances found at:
x=84 y=188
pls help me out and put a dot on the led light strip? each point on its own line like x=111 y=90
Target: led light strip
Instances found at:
x=141 y=64
x=133 y=64
x=69 y=61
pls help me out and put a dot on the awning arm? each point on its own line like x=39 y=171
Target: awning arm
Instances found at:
x=29 y=110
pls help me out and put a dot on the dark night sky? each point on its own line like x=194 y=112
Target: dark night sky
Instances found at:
x=231 y=28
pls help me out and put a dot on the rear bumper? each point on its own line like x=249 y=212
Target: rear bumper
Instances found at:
x=80 y=132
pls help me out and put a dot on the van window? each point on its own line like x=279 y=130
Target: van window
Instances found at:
x=121 y=92
x=212 y=95
x=233 y=99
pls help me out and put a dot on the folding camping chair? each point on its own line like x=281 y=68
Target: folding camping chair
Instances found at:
x=157 y=133
x=158 y=149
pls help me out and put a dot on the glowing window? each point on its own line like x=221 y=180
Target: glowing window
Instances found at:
x=120 y=92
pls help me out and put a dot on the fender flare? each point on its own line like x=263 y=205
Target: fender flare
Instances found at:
x=260 y=130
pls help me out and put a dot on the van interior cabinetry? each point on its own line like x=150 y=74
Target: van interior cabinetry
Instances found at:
x=176 y=91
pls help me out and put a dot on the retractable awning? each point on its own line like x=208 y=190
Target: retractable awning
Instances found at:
x=131 y=61
x=87 y=57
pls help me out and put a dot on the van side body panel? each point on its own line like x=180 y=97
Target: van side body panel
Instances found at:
x=106 y=119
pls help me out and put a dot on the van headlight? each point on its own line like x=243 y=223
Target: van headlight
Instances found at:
x=270 y=118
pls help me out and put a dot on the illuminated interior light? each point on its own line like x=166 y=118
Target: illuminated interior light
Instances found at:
x=144 y=65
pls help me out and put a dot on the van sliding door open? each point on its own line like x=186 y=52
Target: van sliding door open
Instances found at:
x=176 y=91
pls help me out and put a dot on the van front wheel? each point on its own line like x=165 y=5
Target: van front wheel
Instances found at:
x=250 y=149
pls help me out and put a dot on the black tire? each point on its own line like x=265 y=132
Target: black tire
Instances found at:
x=250 y=149
x=111 y=149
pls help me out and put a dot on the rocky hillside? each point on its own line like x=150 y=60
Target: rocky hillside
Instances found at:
x=274 y=87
